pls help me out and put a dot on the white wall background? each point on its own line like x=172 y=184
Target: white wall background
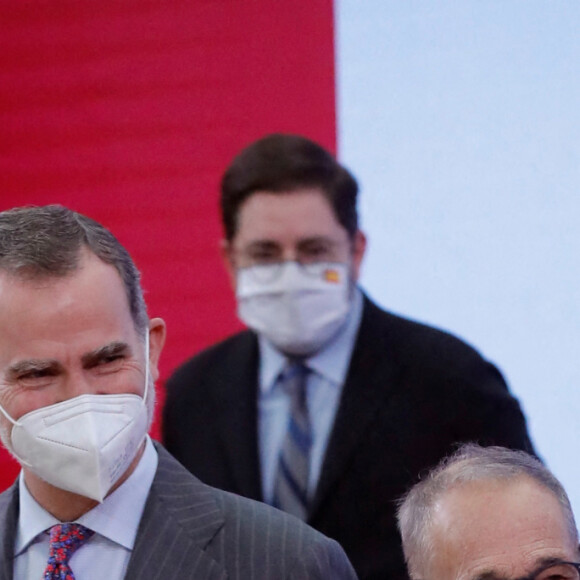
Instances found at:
x=461 y=120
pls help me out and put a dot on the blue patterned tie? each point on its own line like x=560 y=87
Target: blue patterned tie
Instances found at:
x=65 y=540
x=291 y=484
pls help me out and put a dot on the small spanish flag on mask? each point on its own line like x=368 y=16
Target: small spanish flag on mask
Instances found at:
x=331 y=275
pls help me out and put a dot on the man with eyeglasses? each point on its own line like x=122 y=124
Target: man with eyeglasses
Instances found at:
x=327 y=407
x=489 y=514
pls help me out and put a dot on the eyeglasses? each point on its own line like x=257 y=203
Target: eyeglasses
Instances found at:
x=308 y=251
x=556 y=571
x=266 y=273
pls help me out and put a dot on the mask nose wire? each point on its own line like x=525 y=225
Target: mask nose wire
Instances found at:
x=147 y=374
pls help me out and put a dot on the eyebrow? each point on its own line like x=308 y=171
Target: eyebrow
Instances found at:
x=54 y=367
x=115 y=348
x=318 y=240
x=489 y=575
x=33 y=365
x=307 y=240
x=260 y=244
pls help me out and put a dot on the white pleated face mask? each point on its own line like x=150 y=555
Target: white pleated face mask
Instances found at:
x=298 y=308
x=85 y=444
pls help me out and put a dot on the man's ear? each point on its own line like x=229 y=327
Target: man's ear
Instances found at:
x=226 y=252
x=359 y=246
x=157 y=334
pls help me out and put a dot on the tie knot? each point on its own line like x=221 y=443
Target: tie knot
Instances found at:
x=294 y=371
x=65 y=539
x=294 y=378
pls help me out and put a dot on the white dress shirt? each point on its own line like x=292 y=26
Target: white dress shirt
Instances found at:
x=115 y=522
x=324 y=388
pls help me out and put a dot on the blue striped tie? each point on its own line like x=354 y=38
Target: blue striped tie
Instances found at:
x=291 y=484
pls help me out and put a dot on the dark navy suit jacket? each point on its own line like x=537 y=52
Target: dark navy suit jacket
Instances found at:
x=412 y=393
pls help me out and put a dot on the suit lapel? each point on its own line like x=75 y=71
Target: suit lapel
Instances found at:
x=180 y=518
x=8 y=521
x=364 y=395
x=235 y=393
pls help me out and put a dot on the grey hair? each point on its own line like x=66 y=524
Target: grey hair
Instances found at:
x=469 y=463
x=47 y=241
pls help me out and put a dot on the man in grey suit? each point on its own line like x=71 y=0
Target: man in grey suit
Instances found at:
x=96 y=497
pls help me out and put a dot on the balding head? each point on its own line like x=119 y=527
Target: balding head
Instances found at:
x=486 y=513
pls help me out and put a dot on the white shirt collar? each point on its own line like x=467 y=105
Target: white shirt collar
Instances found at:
x=331 y=362
x=117 y=518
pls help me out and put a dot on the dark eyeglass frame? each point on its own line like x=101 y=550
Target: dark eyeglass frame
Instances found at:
x=271 y=272
x=552 y=564
x=534 y=575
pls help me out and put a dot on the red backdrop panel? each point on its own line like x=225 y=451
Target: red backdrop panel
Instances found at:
x=130 y=111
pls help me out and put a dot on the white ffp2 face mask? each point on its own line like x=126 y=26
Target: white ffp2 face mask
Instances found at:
x=297 y=308
x=84 y=444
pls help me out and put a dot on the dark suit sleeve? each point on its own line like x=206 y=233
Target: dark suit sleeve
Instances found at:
x=323 y=560
x=446 y=388
x=189 y=530
x=453 y=397
x=210 y=415
x=487 y=412
x=260 y=542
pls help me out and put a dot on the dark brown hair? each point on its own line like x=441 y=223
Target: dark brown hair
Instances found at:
x=285 y=163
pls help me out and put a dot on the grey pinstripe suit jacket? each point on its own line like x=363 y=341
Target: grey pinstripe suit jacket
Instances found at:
x=193 y=531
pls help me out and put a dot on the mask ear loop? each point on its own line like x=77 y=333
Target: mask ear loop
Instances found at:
x=147 y=367
x=8 y=443
x=5 y=413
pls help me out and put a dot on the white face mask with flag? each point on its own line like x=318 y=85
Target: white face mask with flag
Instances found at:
x=296 y=307
x=84 y=444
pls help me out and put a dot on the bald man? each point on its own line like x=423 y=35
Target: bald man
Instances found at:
x=489 y=514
